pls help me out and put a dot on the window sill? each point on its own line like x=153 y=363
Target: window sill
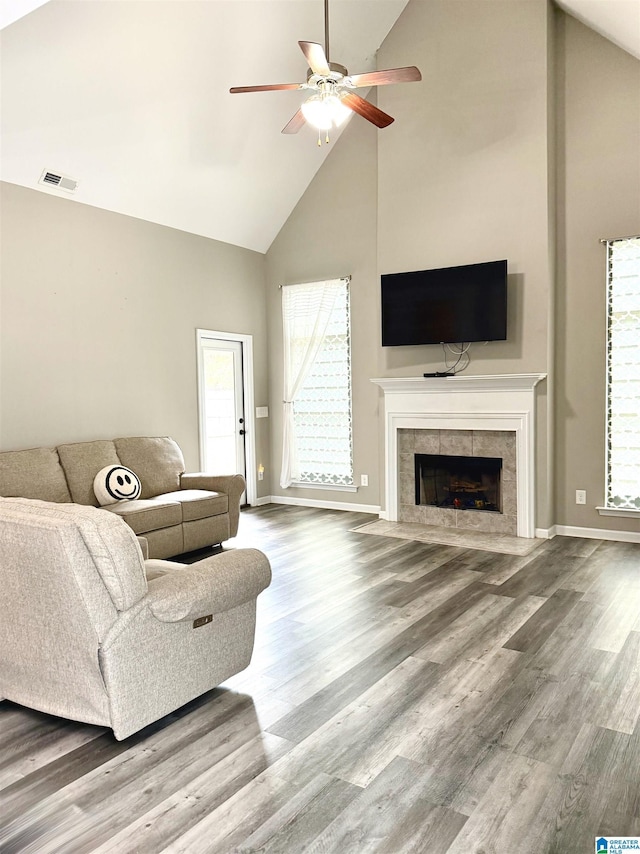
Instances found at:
x=619 y=511
x=333 y=487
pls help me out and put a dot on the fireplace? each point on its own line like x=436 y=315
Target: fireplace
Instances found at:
x=488 y=416
x=460 y=483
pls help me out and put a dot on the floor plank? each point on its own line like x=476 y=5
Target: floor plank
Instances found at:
x=533 y=634
x=392 y=814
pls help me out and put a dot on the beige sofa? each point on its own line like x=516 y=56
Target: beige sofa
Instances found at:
x=90 y=631
x=176 y=512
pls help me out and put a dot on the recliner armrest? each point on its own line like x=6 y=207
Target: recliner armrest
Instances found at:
x=211 y=586
x=232 y=485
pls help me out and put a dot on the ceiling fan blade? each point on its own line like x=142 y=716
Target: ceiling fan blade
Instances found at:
x=294 y=125
x=409 y=74
x=316 y=58
x=236 y=89
x=365 y=109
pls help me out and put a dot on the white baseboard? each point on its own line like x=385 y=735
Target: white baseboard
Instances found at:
x=318 y=502
x=598 y=534
x=546 y=533
x=260 y=501
x=540 y=533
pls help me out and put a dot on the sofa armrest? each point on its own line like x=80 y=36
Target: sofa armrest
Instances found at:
x=232 y=485
x=211 y=586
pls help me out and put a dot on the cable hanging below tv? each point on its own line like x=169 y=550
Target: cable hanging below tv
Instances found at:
x=451 y=305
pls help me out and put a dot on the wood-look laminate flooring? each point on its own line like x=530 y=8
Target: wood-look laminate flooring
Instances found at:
x=403 y=697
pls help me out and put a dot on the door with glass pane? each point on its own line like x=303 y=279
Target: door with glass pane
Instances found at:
x=222 y=406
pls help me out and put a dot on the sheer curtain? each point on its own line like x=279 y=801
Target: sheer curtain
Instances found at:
x=306 y=310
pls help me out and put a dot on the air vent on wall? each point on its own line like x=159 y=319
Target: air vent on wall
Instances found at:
x=58 y=180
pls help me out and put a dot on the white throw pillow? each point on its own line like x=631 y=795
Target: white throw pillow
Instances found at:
x=116 y=483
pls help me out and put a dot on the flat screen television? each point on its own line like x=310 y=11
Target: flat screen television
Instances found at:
x=450 y=305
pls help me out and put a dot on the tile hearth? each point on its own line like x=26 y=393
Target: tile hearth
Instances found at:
x=457 y=537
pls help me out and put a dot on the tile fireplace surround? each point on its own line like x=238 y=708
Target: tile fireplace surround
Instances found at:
x=467 y=416
x=500 y=444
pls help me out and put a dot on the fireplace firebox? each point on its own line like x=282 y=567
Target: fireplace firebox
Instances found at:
x=459 y=483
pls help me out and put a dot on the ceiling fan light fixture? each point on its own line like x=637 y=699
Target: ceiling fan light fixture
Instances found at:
x=340 y=111
x=325 y=111
x=334 y=100
x=317 y=112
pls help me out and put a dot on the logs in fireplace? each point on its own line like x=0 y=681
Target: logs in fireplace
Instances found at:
x=461 y=483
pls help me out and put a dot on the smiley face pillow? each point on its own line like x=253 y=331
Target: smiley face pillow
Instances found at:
x=116 y=483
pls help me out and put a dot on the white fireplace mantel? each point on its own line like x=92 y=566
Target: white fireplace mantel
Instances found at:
x=503 y=402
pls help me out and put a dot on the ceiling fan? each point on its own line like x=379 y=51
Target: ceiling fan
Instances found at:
x=332 y=98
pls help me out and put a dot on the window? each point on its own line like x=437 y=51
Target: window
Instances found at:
x=317 y=436
x=623 y=374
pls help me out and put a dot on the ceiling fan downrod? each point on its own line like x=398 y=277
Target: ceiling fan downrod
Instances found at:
x=326 y=29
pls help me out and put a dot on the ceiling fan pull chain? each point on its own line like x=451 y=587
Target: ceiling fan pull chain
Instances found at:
x=327 y=139
x=319 y=140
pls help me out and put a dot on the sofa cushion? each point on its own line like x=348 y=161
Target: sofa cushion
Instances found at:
x=158 y=462
x=144 y=516
x=197 y=503
x=116 y=483
x=202 y=533
x=165 y=542
x=34 y=473
x=81 y=462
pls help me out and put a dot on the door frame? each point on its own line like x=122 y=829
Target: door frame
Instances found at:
x=246 y=341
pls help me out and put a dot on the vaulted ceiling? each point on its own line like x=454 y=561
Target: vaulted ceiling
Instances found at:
x=131 y=98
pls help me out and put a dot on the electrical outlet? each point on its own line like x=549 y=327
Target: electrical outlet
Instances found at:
x=581 y=496
x=260 y=472
x=364 y=480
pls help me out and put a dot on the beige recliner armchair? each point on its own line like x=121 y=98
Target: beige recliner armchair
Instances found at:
x=88 y=632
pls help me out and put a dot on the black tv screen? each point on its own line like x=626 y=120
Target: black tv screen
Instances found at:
x=450 y=305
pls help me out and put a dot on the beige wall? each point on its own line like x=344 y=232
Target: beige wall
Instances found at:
x=463 y=175
x=598 y=197
x=463 y=172
x=332 y=233
x=99 y=313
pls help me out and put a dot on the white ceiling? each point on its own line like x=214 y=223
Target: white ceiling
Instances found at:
x=131 y=97
x=617 y=20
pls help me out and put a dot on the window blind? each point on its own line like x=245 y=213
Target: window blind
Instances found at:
x=322 y=410
x=317 y=434
x=623 y=374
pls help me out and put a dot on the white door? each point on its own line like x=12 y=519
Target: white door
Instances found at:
x=222 y=406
